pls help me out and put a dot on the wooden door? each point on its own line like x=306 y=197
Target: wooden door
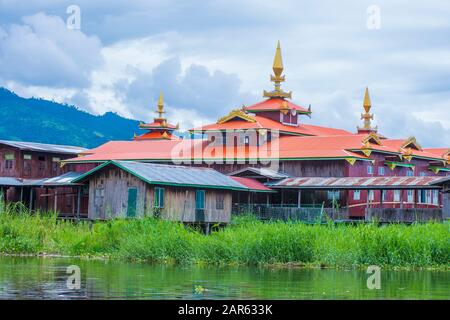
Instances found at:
x=132 y=202
x=200 y=205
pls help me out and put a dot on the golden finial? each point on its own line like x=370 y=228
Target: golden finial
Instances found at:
x=161 y=105
x=366 y=116
x=367 y=105
x=277 y=61
x=277 y=78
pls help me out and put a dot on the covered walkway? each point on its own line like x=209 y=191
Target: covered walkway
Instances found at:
x=58 y=194
x=374 y=189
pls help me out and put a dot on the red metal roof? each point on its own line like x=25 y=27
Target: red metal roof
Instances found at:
x=274 y=104
x=269 y=124
x=440 y=152
x=252 y=184
x=156 y=135
x=357 y=183
x=396 y=144
x=286 y=147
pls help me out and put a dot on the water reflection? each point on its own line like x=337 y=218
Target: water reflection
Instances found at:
x=46 y=278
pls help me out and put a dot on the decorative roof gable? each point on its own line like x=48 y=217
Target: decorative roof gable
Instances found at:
x=238 y=113
x=411 y=142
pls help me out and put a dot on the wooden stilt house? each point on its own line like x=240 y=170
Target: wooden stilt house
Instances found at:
x=187 y=194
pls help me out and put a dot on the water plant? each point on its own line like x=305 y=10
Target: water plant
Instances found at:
x=245 y=241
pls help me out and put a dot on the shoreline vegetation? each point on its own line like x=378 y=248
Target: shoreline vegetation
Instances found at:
x=246 y=241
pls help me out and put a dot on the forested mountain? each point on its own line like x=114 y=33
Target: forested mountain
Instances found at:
x=39 y=120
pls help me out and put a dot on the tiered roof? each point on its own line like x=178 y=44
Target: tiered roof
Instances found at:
x=159 y=128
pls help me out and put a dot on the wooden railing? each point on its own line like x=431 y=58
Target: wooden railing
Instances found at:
x=310 y=214
x=386 y=215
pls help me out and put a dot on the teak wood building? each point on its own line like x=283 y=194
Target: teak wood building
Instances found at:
x=28 y=171
x=270 y=134
x=191 y=195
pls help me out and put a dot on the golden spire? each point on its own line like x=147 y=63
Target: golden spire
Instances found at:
x=366 y=116
x=278 y=62
x=367 y=105
x=277 y=78
x=160 y=110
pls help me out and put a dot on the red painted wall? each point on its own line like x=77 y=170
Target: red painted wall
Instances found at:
x=359 y=169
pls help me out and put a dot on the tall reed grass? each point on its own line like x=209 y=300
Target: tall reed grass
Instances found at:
x=245 y=241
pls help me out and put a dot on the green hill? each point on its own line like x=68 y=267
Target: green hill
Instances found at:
x=39 y=120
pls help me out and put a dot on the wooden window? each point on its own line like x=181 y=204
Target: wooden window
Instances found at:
x=27 y=167
x=436 y=196
x=159 y=197
x=200 y=199
x=384 y=195
x=421 y=196
x=410 y=195
x=397 y=195
x=333 y=195
x=41 y=165
x=55 y=168
x=381 y=171
x=27 y=157
x=357 y=195
x=371 y=195
x=409 y=172
x=369 y=169
x=99 y=195
x=9 y=161
x=220 y=201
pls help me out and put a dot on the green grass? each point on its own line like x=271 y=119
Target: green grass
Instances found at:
x=245 y=241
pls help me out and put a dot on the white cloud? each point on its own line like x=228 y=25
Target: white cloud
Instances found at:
x=43 y=52
x=217 y=56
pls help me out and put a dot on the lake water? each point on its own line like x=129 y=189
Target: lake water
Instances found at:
x=37 y=278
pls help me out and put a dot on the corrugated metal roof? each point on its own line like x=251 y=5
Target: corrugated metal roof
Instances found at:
x=271 y=174
x=12 y=182
x=34 y=146
x=252 y=184
x=62 y=180
x=357 y=183
x=441 y=181
x=173 y=175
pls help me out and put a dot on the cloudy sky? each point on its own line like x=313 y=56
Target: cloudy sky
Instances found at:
x=213 y=56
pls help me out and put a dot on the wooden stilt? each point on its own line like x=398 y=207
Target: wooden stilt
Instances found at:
x=31 y=199
x=381 y=198
x=367 y=202
x=55 y=204
x=78 y=202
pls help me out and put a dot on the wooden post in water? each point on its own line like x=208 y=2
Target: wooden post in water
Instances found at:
x=31 y=199
x=401 y=198
x=55 y=204
x=3 y=195
x=46 y=198
x=381 y=198
x=78 y=202
x=367 y=203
